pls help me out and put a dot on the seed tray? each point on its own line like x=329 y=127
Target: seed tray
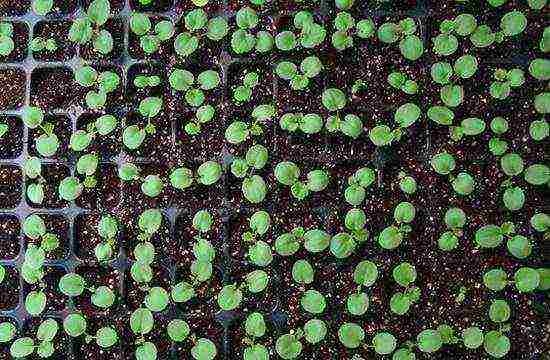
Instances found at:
x=29 y=71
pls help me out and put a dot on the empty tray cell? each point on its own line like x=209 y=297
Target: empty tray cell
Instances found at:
x=14 y=8
x=10 y=186
x=14 y=80
x=53 y=88
x=11 y=137
x=9 y=236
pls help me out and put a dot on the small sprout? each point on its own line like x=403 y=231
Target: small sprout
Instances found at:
x=288 y=173
x=6 y=42
x=351 y=335
x=35 y=302
x=71 y=284
x=429 y=341
x=74 y=324
x=204 y=349
x=384 y=343
x=499 y=311
x=156 y=299
x=39 y=44
x=150 y=38
x=472 y=337
x=178 y=330
x=288 y=346
x=496 y=344
x=229 y=298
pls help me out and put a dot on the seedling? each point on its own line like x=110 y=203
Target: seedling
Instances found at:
x=504 y=81
x=47 y=143
x=144 y=81
x=392 y=236
x=42 y=7
x=343 y=244
x=107 y=228
x=455 y=219
x=310 y=33
x=313 y=240
x=246 y=38
x=102 y=84
x=400 y=81
x=88 y=28
x=32 y=168
x=230 y=296
x=358 y=183
x=150 y=39
x=39 y=44
x=6 y=42
x=346 y=27
x=299 y=79
x=197 y=25
x=410 y=45
x=183 y=80
x=404 y=274
x=288 y=174
x=243 y=93
x=42 y=343
x=253 y=187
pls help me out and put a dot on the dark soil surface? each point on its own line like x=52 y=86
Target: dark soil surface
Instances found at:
x=10 y=186
x=9 y=236
x=14 y=79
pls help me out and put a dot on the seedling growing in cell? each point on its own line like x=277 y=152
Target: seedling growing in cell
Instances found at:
x=310 y=33
x=42 y=7
x=407 y=183
x=404 y=274
x=313 y=240
x=343 y=244
x=6 y=42
x=306 y=123
x=39 y=44
x=299 y=79
x=246 y=37
x=392 y=236
x=101 y=83
x=144 y=81
x=230 y=296
x=358 y=184
x=150 y=39
x=455 y=219
x=183 y=80
x=239 y=131
x=289 y=346
x=400 y=81
x=43 y=341
x=288 y=174
x=243 y=93
x=525 y=279
x=505 y=80
x=88 y=28
x=351 y=125
x=4 y=128
x=253 y=187
x=32 y=168
x=352 y=336
x=107 y=228
x=346 y=27
x=178 y=331
x=47 y=143
x=198 y=26
x=410 y=44
x=259 y=252
x=255 y=328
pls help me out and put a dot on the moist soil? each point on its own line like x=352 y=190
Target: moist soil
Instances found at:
x=11 y=143
x=442 y=273
x=58 y=31
x=9 y=236
x=14 y=81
